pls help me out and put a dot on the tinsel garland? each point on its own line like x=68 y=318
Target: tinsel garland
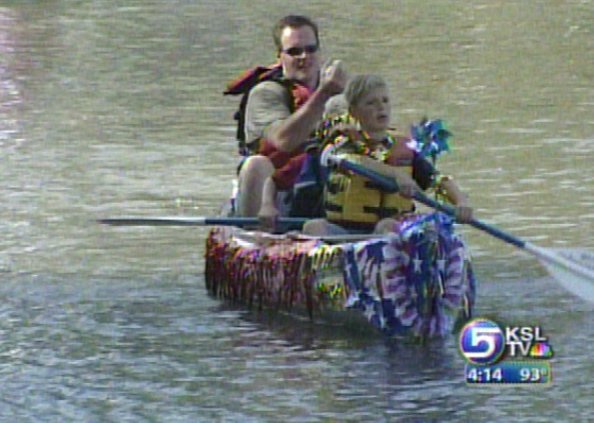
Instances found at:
x=417 y=282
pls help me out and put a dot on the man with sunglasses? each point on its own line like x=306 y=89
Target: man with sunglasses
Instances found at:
x=282 y=112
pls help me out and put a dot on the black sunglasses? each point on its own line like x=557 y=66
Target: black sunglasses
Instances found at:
x=298 y=51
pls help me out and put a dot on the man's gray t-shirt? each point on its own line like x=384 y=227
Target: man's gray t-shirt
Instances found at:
x=268 y=104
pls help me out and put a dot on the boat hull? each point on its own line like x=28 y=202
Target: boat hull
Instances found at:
x=417 y=281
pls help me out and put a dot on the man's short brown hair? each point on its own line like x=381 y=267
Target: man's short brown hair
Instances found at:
x=292 y=21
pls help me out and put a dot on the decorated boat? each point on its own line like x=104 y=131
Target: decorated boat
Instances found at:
x=416 y=281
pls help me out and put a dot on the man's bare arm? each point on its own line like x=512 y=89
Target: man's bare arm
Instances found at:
x=291 y=133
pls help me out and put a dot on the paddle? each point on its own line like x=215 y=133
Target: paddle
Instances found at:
x=285 y=222
x=574 y=276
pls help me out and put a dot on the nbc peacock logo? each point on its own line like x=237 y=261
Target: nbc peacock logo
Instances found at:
x=541 y=350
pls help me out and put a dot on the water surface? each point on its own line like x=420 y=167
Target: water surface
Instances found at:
x=111 y=108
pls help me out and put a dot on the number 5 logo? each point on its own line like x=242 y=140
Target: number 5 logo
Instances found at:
x=482 y=341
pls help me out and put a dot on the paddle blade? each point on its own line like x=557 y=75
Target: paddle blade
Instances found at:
x=573 y=269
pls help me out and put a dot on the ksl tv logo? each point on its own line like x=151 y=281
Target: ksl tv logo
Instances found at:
x=482 y=341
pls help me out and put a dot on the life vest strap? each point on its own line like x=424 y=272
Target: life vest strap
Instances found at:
x=382 y=212
x=357 y=226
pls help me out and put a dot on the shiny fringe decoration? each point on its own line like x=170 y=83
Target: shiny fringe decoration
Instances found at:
x=418 y=281
x=279 y=275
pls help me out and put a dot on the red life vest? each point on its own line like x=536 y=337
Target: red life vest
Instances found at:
x=288 y=165
x=243 y=84
x=299 y=94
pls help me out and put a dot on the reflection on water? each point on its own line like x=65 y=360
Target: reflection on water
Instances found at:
x=109 y=108
x=10 y=93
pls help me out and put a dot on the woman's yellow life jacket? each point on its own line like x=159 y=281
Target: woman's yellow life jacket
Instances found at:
x=356 y=202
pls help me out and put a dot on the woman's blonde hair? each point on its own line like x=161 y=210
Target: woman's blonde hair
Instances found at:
x=360 y=85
